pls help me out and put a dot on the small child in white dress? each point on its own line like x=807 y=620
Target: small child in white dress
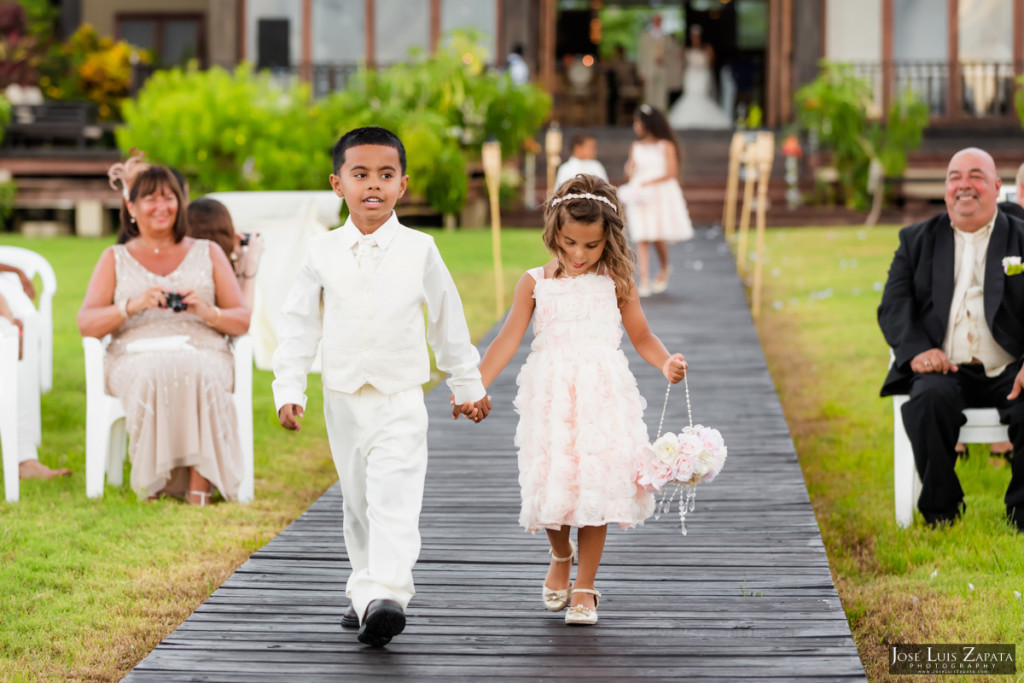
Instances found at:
x=656 y=211
x=581 y=413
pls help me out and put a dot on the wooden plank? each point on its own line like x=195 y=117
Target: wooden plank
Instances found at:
x=747 y=594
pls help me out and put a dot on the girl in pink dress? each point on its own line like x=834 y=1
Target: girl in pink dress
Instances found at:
x=581 y=414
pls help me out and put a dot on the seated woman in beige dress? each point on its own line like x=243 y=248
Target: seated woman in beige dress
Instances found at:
x=168 y=361
x=208 y=219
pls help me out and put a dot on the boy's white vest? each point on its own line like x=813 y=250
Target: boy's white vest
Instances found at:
x=373 y=327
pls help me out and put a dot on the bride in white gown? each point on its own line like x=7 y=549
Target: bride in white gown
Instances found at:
x=696 y=108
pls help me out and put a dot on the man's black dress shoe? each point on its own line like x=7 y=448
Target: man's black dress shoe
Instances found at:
x=349 y=618
x=384 y=620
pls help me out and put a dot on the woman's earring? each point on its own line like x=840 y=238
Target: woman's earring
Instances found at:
x=133 y=219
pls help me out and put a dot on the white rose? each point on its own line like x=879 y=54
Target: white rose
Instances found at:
x=666 y=449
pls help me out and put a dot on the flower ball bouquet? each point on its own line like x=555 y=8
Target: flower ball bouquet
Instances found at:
x=676 y=463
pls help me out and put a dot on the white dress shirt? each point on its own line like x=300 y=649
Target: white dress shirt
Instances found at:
x=572 y=166
x=968 y=336
x=371 y=318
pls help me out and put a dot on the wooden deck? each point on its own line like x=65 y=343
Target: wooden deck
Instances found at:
x=746 y=595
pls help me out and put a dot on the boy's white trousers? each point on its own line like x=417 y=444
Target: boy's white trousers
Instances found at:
x=379 y=444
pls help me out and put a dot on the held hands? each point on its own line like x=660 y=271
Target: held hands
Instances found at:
x=674 y=368
x=932 y=360
x=474 y=410
x=289 y=416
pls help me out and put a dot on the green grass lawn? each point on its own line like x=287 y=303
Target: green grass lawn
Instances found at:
x=828 y=359
x=89 y=587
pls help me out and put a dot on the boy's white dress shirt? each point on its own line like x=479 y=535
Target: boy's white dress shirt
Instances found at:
x=372 y=322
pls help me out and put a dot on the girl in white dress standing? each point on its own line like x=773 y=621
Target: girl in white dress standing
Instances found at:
x=581 y=414
x=655 y=209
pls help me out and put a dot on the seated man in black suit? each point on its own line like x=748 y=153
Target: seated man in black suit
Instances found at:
x=953 y=313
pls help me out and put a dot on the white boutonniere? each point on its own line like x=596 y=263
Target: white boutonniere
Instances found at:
x=1012 y=265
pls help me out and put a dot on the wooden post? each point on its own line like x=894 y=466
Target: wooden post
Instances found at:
x=732 y=186
x=491 y=154
x=765 y=156
x=750 y=167
x=553 y=152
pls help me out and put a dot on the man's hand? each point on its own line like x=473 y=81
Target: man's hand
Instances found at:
x=289 y=416
x=1018 y=385
x=932 y=360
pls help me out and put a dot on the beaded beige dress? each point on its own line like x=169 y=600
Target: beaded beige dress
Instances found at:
x=174 y=376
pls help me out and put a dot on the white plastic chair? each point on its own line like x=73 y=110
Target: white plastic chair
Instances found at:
x=982 y=426
x=9 y=408
x=105 y=437
x=38 y=332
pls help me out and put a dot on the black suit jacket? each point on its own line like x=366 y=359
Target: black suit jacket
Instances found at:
x=915 y=303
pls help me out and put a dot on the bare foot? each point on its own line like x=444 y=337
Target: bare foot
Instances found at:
x=33 y=469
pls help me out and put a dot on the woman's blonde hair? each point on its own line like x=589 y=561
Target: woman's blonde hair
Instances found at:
x=588 y=199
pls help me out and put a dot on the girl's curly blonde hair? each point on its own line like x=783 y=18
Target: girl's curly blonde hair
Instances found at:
x=602 y=205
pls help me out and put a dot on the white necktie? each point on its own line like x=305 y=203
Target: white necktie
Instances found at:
x=364 y=250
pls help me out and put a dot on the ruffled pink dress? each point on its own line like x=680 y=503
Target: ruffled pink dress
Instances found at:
x=581 y=413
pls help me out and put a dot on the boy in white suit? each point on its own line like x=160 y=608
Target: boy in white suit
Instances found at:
x=362 y=289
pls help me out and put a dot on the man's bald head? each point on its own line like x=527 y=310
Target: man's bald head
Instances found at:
x=972 y=189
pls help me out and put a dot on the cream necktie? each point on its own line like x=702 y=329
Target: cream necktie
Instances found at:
x=964 y=277
x=364 y=250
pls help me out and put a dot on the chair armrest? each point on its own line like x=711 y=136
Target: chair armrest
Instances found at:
x=95 y=383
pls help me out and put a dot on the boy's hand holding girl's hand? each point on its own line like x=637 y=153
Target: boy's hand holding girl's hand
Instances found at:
x=474 y=410
x=289 y=416
x=674 y=368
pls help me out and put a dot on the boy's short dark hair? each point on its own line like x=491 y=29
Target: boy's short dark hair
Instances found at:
x=370 y=135
x=580 y=139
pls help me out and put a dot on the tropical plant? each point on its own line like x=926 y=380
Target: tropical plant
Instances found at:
x=20 y=52
x=246 y=131
x=834 y=108
x=443 y=107
x=88 y=66
x=229 y=130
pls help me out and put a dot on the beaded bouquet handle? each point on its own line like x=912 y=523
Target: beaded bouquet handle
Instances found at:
x=699 y=454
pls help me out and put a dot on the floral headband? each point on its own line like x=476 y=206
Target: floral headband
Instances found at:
x=583 y=195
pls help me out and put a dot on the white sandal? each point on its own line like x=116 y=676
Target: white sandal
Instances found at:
x=581 y=615
x=556 y=601
x=204 y=497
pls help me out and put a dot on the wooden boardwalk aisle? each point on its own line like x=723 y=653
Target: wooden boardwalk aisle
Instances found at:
x=746 y=595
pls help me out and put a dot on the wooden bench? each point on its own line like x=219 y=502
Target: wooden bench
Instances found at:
x=51 y=122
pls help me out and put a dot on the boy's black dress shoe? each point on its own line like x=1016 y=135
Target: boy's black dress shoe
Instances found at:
x=349 y=618
x=384 y=620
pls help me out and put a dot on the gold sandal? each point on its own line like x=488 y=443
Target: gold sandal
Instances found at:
x=556 y=601
x=580 y=615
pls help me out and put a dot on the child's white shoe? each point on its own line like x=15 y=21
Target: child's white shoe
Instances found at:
x=580 y=615
x=554 y=600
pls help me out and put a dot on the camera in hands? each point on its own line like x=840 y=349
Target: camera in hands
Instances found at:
x=174 y=302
